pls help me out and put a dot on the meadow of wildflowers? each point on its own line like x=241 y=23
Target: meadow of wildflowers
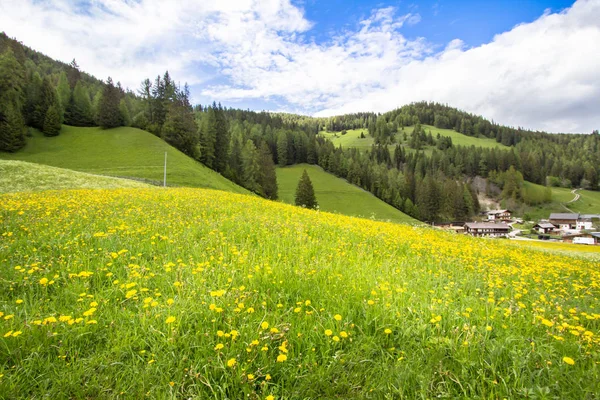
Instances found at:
x=191 y=293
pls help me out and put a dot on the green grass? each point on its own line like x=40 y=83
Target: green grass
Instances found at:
x=352 y=138
x=588 y=203
x=20 y=176
x=122 y=152
x=204 y=294
x=336 y=194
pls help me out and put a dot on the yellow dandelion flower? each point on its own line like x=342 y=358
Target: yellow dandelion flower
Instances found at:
x=281 y=358
x=343 y=334
x=44 y=281
x=264 y=325
x=219 y=346
x=250 y=377
x=231 y=362
x=568 y=360
x=170 y=320
x=328 y=332
x=336 y=339
x=17 y=333
x=19 y=301
x=387 y=331
x=337 y=317
x=270 y=397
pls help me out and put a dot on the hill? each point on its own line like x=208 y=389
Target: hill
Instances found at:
x=20 y=176
x=121 y=152
x=337 y=195
x=209 y=294
x=588 y=202
x=352 y=138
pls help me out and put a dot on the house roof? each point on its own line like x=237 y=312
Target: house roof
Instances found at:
x=493 y=212
x=545 y=225
x=486 y=225
x=565 y=216
x=589 y=216
x=595 y=234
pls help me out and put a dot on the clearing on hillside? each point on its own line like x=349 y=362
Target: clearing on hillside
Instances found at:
x=337 y=195
x=20 y=176
x=352 y=138
x=194 y=293
x=125 y=152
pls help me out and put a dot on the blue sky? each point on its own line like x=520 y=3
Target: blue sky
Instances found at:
x=534 y=64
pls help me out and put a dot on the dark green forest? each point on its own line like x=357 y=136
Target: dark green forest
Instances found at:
x=426 y=177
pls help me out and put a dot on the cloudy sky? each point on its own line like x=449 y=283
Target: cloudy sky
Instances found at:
x=534 y=64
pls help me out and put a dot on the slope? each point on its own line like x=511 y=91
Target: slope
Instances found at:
x=337 y=195
x=352 y=138
x=588 y=203
x=209 y=294
x=20 y=176
x=122 y=152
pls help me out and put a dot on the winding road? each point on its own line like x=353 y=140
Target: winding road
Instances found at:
x=577 y=196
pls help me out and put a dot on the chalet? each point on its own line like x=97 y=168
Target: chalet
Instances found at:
x=564 y=221
x=499 y=215
x=544 y=227
x=584 y=223
x=486 y=229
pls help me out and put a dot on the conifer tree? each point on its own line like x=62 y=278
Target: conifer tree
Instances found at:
x=12 y=129
x=222 y=139
x=267 y=178
x=33 y=92
x=109 y=115
x=47 y=99
x=180 y=129
x=208 y=137
x=63 y=91
x=282 y=149
x=250 y=167
x=305 y=193
x=79 y=111
x=52 y=122
x=124 y=112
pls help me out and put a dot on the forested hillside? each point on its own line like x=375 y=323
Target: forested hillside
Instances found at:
x=421 y=173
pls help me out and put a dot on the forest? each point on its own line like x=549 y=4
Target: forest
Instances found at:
x=425 y=176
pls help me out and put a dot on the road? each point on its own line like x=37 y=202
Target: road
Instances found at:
x=577 y=196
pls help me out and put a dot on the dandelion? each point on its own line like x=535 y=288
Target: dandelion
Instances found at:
x=387 y=331
x=337 y=317
x=44 y=281
x=281 y=358
x=270 y=397
x=264 y=325
x=219 y=346
x=568 y=360
x=250 y=377
x=344 y=334
x=488 y=328
x=19 y=301
x=231 y=362
x=547 y=322
x=328 y=332
x=170 y=320
x=336 y=339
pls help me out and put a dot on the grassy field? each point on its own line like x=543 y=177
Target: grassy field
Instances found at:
x=192 y=293
x=124 y=152
x=588 y=203
x=20 y=176
x=352 y=138
x=564 y=248
x=337 y=195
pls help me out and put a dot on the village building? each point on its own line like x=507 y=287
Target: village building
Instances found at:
x=582 y=238
x=487 y=229
x=499 y=215
x=584 y=224
x=544 y=227
x=564 y=221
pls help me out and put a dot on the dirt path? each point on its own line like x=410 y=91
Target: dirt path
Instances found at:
x=577 y=196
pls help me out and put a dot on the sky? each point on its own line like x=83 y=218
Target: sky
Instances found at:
x=532 y=64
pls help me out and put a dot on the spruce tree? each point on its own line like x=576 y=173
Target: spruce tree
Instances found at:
x=124 y=111
x=109 y=115
x=208 y=137
x=250 y=167
x=79 y=111
x=47 y=99
x=12 y=129
x=63 y=91
x=222 y=139
x=267 y=177
x=52 y=122
x=282 y=149
x=305 y=193
x=180 y=129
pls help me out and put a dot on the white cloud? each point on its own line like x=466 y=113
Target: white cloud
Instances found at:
x=540 y=75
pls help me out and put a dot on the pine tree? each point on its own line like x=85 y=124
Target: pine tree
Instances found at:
x=63 y=91
x=305 y=194
x=222 y=139
x=33 y=92
x=109 y=115
x=180 y=129
x=12 y=129
x=250 y=167
x=52 y=122
x=79 y=111
x=47 y=99
x=282 y=149
x=267 y=177
x=208 y=137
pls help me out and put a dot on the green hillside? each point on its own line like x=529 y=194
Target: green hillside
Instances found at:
x=352 y=138
x=588 y=203
x=213 y=295
x=336 y=195
x=122 y=152
x=20 y=176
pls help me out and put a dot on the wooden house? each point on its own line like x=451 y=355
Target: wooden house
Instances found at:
x=486 y=229
x=499 y=215
x=564 y=221
x=544 y=227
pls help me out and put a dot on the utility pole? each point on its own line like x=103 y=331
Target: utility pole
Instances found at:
x=165 y=178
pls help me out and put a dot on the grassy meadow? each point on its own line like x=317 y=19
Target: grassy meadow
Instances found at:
x=588 y=203
x=352 y=138
x=121 y=152
x=20 y=176
x=193 y=293
x=337 y=195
